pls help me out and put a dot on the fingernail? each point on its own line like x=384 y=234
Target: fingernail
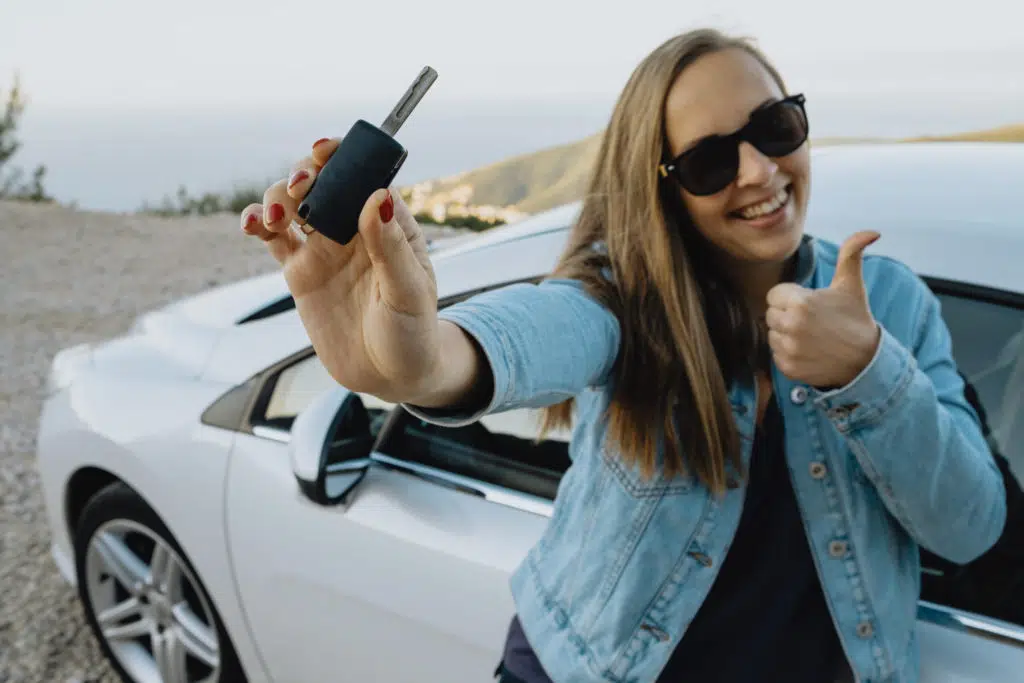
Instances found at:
x=297 y=178
x=320 y=142
x=247 y=221
x=387 y=208
x=275 y=213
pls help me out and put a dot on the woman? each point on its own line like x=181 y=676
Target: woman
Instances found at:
x=735 y=386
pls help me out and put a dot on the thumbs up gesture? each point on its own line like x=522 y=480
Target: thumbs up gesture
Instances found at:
x=825 y=337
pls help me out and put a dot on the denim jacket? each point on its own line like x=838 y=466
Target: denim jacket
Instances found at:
x=892 y=461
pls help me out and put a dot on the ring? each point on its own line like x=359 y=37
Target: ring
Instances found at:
x=305 y=228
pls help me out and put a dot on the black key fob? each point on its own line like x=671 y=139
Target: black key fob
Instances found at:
x=367 y=160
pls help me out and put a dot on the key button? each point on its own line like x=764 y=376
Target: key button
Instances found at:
x=818 y=470
x=837 y=548
x=865 y=630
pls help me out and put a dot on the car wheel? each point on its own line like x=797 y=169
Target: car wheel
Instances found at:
x=143 y=600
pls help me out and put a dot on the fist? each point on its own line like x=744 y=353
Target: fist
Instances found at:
x=825 y=337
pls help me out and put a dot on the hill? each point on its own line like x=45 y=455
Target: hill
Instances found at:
x=529 y=183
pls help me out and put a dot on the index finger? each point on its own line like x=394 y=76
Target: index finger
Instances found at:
x=324 y=148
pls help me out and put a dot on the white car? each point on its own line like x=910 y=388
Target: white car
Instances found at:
x=229 y=513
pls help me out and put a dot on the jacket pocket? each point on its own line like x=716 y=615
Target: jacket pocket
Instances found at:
x=633 y=481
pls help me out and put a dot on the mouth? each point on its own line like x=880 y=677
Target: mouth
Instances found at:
x=767 y=209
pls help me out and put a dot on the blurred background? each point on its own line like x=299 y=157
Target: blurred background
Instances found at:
x=128 y=102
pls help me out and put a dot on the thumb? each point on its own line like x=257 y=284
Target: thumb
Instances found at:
x=849 y=270
x=399 y=273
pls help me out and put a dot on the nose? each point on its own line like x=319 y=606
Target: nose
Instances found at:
x=755 y=167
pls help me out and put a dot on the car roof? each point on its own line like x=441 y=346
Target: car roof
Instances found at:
x=946 y=209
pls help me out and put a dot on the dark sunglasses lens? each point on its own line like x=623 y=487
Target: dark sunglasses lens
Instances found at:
x=780 y=129
x=708 y=167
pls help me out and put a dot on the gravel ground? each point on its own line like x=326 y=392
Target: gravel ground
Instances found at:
x=69 y=277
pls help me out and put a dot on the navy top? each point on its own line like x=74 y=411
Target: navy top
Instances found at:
x=765 y=617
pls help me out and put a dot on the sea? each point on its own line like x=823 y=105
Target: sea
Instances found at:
x=117 y=160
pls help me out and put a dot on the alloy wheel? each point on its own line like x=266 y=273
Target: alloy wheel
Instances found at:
x=149 y=607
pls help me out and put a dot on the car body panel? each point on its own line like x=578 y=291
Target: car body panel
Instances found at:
x=406 y=583
x=158 y=447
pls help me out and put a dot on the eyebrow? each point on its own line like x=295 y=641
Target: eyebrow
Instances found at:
x=771 y=99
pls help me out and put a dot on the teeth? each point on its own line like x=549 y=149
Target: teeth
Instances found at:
x=765 y=207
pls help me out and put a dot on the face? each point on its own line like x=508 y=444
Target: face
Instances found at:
x=716 y=95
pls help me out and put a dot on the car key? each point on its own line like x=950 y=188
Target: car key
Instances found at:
x=367 y=159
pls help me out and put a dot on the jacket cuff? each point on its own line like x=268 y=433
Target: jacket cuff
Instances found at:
x=474 y=321
x=868 y=397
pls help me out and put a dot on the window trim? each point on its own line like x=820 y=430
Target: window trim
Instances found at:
x=967 y=290
x=973 y=624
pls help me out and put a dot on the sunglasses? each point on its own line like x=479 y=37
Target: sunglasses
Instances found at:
x=775 y=130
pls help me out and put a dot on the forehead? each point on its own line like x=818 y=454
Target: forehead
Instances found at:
x=715 y=94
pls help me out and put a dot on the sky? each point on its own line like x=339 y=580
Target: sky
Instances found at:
x=102 y=54
x=210 y=93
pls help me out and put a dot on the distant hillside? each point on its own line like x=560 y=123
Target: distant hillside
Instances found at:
x=529 y=183
x=1011 y=133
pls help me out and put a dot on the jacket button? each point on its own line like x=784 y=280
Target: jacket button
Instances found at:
x=865 y=630
x=798 y=395
x=837 y=548
x=818 y=470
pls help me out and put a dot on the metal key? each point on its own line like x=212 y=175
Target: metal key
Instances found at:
x=409 y=100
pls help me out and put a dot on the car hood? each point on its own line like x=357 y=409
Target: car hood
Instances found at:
x=226 y=305
x=179 y=340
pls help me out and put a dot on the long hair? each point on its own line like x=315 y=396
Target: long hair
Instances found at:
x=687 y=333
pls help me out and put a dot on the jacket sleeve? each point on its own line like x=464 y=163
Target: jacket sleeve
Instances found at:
x=544 y=343
x=916 y=437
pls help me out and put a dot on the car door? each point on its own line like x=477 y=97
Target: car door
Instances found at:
x=971 y=617
x=408 y=581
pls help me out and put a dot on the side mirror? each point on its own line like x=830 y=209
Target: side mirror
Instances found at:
x=330 y=446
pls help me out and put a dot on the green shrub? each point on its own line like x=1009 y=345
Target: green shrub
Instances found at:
x=11 y=185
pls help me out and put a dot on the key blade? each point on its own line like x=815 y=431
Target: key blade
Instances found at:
x=409 y=100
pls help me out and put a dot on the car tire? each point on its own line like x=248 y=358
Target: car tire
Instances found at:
x=165 y=615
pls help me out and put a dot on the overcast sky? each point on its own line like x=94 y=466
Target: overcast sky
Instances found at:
x=196 y=53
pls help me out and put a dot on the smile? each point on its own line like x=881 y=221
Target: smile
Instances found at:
x=767 y=207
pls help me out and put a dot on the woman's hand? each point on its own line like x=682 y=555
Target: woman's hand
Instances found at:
x=370 y=306
x=825 y=337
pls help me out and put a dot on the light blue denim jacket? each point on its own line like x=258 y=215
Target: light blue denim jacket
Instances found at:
x=894 y=460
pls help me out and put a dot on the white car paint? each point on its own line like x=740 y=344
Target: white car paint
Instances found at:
x=409 y=582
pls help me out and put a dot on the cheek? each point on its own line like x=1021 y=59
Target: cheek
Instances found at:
x=798 y=167
x=708 y=213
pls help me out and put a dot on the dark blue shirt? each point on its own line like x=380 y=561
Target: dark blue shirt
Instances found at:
x=765 y=617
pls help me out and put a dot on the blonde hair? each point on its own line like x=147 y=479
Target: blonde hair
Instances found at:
x=686 y=332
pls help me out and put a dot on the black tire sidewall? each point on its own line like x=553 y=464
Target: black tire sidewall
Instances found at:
x=118 y=501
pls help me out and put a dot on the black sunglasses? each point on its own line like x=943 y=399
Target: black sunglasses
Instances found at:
x=775 y=130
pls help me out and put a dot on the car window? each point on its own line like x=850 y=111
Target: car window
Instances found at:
x=988 y=345
x=298 y=384
x=295 y=387
x=501 y=450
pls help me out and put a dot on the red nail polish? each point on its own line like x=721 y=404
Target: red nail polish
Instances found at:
x=387 y=208
x=249 y=220
x=297 y=178
x=275 y=213
x=320 y=142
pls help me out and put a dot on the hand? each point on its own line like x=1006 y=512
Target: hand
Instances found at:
x=825 y=337
x=370 y=306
